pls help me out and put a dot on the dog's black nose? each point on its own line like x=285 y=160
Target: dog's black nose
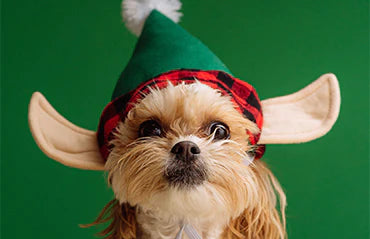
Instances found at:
x=185 y=150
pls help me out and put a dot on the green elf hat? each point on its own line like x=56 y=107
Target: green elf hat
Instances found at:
x=165 y=53
x=163 y=46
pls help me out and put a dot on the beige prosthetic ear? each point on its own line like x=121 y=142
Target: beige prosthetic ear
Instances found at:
x=303 y=116
x=60 y=139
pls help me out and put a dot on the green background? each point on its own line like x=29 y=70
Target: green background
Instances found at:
x=74 y=51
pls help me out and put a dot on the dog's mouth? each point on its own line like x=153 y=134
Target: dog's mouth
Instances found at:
x=181 y=173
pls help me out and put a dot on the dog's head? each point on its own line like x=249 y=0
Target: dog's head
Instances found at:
x=183 y=148
x=183 y=152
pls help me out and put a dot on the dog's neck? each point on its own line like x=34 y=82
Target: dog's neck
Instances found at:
x=156 y=226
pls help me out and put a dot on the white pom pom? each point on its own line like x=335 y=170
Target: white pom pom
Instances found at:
x=135 y=12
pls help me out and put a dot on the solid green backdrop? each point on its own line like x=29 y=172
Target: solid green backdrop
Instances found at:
x=74 y=51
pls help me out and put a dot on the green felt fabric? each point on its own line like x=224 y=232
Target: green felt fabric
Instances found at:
x=164 y=46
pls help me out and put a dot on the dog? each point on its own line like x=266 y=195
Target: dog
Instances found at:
x=182 y=155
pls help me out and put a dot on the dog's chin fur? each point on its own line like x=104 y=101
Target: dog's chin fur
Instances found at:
x=234 y=199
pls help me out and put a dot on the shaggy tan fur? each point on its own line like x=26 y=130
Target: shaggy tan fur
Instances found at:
x=262 y=221
x=122 y=221
x=236 y=201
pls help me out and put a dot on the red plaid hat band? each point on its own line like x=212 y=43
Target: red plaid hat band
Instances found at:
x=242 y=94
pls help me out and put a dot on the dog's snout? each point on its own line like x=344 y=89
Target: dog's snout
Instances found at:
x=185 y=150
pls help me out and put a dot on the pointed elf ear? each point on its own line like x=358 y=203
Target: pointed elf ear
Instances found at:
x=60 y=139
x=303 y=116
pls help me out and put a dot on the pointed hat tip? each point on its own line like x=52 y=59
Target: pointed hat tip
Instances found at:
x=135 y=12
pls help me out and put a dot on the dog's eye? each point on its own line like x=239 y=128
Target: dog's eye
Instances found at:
x=150 y=128
x=220 y=130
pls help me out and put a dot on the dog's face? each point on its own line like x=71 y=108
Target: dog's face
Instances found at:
x=183 y=148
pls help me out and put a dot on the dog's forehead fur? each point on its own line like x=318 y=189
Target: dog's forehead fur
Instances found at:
x=188 y=108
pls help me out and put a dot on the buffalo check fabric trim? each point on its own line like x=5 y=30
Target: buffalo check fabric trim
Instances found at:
x=242 y=94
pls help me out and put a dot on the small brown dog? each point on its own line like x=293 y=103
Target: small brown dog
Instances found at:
x=184 y=156
x=190 y=163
